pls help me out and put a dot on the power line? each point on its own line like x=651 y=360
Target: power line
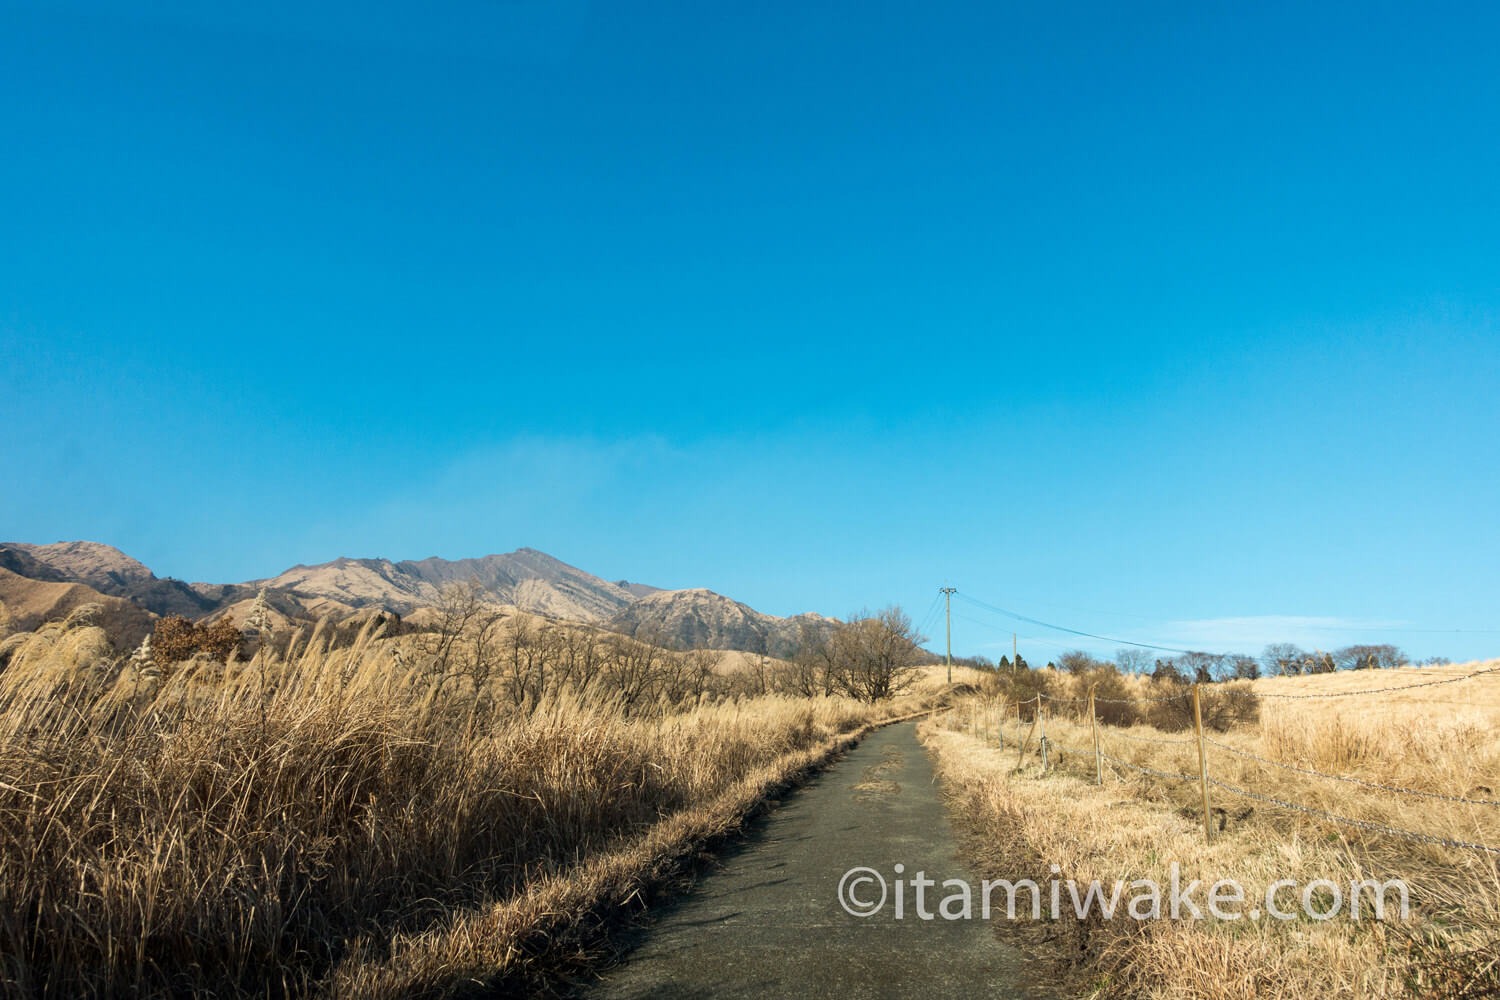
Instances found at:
x=1030 y=638
x=1072 y=631
x=927 y=618
x=1174 y=649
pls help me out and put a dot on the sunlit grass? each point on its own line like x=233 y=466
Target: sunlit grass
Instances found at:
x=297 y=824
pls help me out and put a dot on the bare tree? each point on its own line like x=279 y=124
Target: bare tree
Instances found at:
x=1200 y=667
x=628 y=669
x=877 y=654
x=1365 y=657
x=464 y=643
x=577 y=652
x=524 y=649
x=1244 y=668
x=1076 y=661
x=1131 y=660
x=458 y=605
x=1282 y=659
x=814 y=667
x=702 y=665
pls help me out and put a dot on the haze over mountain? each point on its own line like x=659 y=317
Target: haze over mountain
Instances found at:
x=42 y=581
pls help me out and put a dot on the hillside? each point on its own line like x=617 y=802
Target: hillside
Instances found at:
x=31 y=602
x=685 y=619
x=527 y=579
x=103 y=567
x=107 y=570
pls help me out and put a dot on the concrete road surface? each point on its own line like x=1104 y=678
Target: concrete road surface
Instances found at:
x=769 y=922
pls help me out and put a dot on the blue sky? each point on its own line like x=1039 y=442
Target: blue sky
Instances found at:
x=1172 y=322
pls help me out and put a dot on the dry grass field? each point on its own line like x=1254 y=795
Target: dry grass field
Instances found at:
x=340 y=820
x=337 y=822
x=1443 y=740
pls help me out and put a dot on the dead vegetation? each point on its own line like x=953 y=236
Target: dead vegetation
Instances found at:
x=1440 y=740
x=402 y=817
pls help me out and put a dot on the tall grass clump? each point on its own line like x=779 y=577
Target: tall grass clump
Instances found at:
x=242 y=828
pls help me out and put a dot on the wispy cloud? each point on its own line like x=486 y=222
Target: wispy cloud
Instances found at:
x=1250 y=632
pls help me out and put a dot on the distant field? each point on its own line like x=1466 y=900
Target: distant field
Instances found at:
x=1478 y=698
x=1443 y=740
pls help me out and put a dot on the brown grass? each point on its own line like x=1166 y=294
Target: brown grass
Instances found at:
x=1440 y=739
x=323 y=823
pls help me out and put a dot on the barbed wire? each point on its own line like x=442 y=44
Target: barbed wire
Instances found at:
x=1115 y=731
x=1363 y=824
x=1114 y=701
x=1380 y=690
x=1352 y=780
x=1240 y=692
x=1148 y=770
x=1140 y=701
x=1369 y=825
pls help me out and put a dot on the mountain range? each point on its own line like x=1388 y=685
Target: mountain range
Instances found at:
x=41 y=582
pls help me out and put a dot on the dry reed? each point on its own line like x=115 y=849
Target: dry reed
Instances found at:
x=292 y=824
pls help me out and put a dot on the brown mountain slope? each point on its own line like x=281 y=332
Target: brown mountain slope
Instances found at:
x=107 y=570
x=637 y=589
x=103 y=567
x=526 y=578
x=32 y=603
x=698 y=618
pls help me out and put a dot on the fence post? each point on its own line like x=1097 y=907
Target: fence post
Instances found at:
x=1208 y=820
x=1098 y=758
x=1000 y=723
x=1021 y=758
x=1040 y=714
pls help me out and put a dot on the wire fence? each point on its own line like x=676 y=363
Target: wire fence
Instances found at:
x=1204 y=742
x=1363 y=824
x=1348 y=778
x=1184 y=741
x=1379 y=690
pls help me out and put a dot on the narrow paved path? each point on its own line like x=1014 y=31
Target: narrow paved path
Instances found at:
x=769 y=923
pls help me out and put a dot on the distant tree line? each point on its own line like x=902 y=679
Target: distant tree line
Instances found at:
x=1281 y=659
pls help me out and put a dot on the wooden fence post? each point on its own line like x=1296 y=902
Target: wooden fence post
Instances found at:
x=1098 y=757
x=1035 y=719
x=1040 y=715
x=1000 y=724
x=1208 y=820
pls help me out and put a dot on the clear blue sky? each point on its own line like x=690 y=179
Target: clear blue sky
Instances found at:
x=1174 y=322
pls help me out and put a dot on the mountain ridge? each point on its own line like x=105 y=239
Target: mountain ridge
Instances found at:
x=527 y=579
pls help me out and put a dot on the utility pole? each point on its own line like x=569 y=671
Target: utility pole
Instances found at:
x=1015 y=654
x=948 y=593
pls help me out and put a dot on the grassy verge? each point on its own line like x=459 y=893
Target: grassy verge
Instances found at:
x=526 y=942
x=1135 y=826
